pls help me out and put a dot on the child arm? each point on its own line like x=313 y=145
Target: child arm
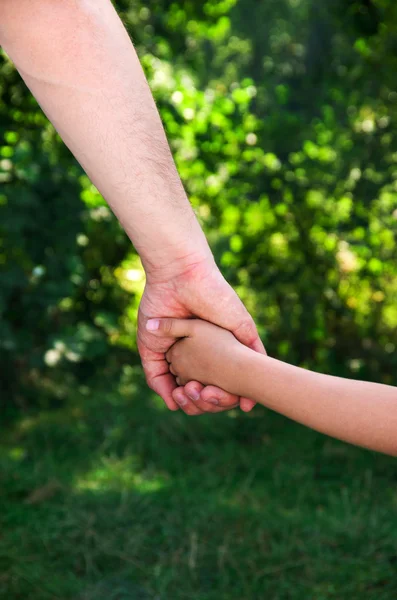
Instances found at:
x=358 y=412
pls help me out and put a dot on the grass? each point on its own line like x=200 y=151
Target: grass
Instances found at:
x=111 y=497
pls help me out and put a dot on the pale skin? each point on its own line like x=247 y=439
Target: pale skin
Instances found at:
x=358 y=412
x=78 y=61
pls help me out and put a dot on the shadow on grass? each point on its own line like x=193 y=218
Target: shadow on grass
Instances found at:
x=112 y=497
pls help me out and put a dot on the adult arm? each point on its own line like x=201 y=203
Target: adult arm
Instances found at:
x=78 y=61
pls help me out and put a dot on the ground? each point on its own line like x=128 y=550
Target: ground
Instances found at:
x=110 y=497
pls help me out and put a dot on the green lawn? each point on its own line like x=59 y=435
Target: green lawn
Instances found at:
x=111 y=497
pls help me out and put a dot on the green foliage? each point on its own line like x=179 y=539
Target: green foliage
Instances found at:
x=282 y=120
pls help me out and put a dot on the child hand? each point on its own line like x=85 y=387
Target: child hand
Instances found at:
x=207 y=353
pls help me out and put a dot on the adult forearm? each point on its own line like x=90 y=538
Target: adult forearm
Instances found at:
x=358 y=412
x=80 y=64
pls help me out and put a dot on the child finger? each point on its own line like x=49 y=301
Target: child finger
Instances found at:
x=174 y=328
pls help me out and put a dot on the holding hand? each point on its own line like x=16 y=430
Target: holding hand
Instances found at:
x=207 y=353
x=199 y=291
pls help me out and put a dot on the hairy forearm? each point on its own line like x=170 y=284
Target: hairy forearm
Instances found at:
x=80 y=64
x=357 y=412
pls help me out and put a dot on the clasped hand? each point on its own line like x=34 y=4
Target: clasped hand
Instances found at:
x=196 y=291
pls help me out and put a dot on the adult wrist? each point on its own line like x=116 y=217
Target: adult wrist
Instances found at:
x=176 y=263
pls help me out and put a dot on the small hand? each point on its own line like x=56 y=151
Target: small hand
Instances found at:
x=205 y=351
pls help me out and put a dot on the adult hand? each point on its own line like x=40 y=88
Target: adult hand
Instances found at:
x=195 y=290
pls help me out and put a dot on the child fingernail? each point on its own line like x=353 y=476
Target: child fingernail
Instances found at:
x=194 y=395
x=181 y=401
x=153 y=325
x=212 y=401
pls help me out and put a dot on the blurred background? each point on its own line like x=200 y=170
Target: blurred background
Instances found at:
x=282 y=118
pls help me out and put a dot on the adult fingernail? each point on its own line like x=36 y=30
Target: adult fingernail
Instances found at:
x=194 y=395
x=153 y=325
x=212 y=401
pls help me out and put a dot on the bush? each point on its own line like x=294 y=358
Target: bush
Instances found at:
x=281 y=117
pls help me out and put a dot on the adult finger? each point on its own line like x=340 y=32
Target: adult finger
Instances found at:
x=246 y=333
x=157 y=374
